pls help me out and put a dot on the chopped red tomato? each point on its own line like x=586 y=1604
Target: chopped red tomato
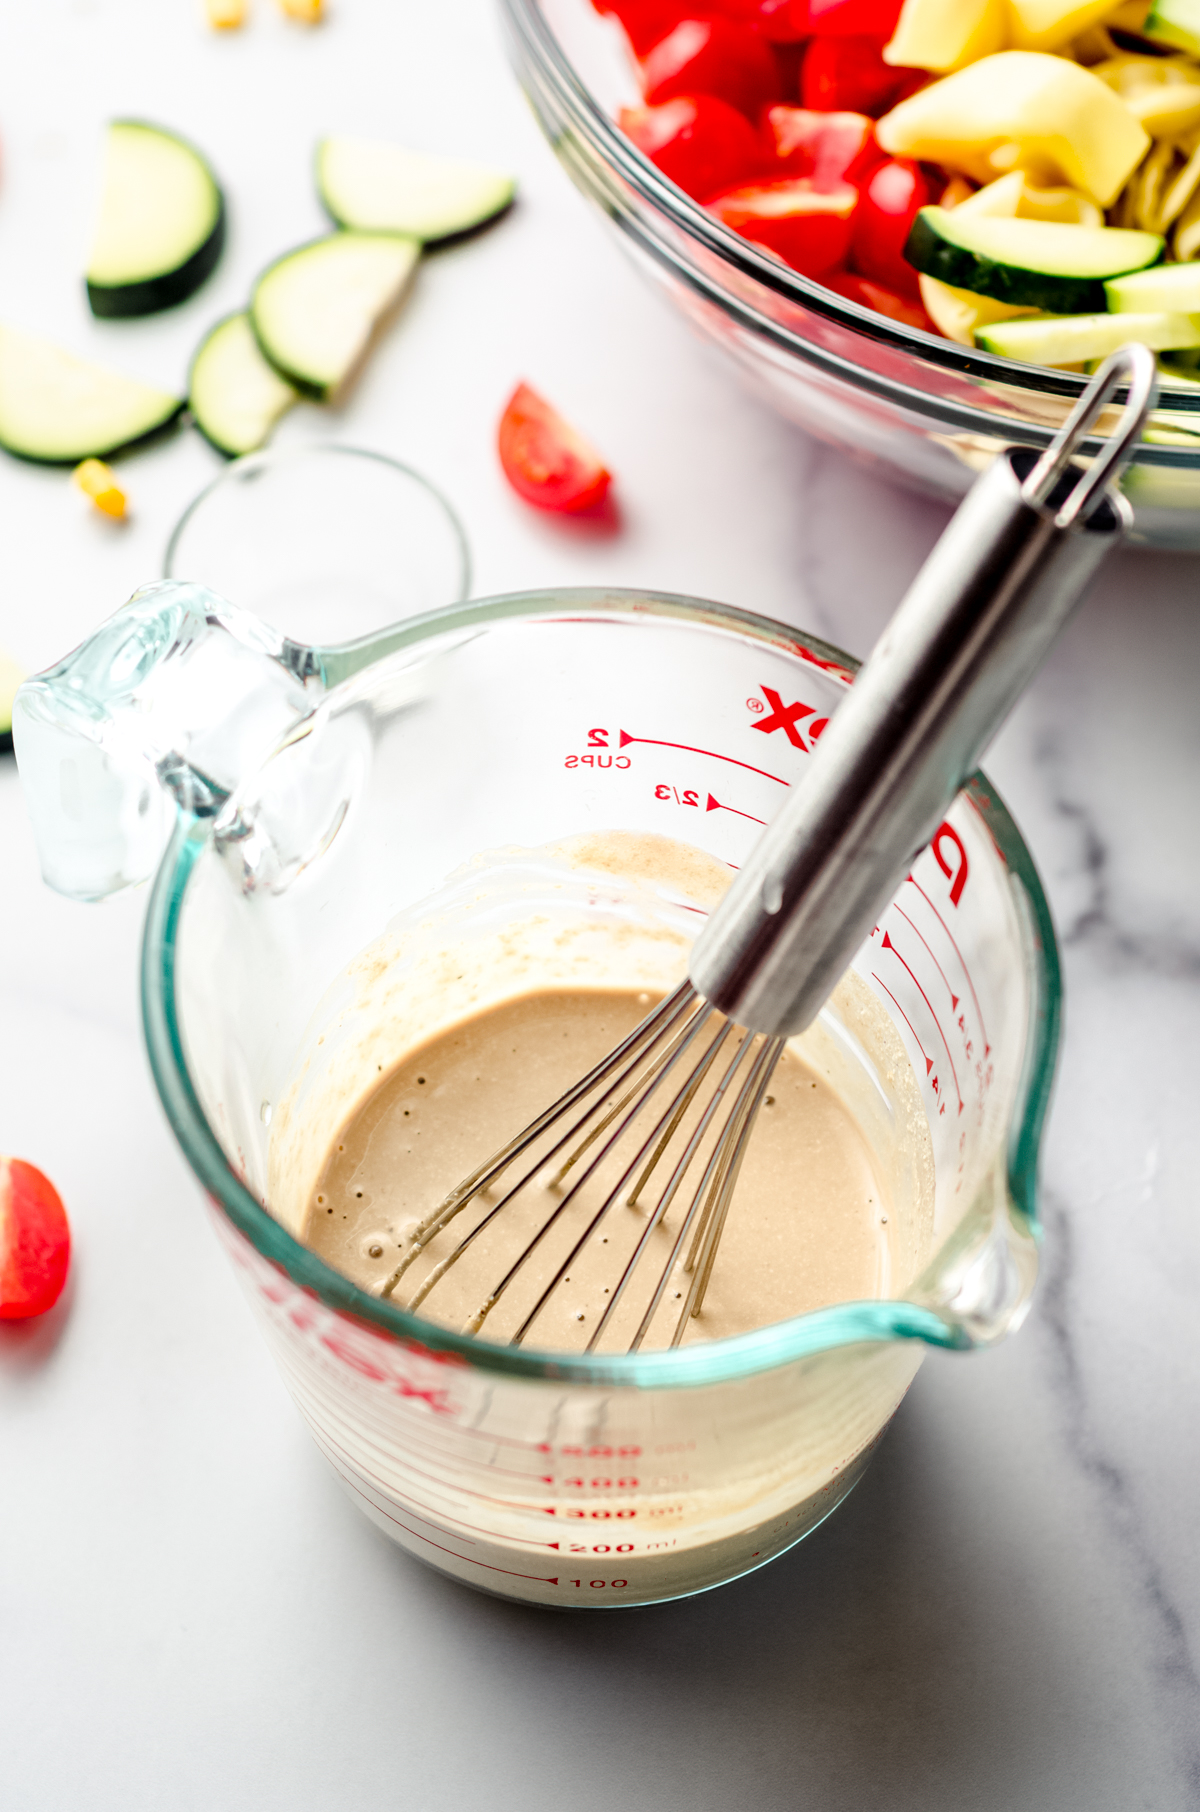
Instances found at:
x=699 y=142
x=829 y=147
x=846 y=18
x=773 y=18
x=712 y=56
x=644 y=21
x=809 y=228
x=891 y=197
x=877 y=296
x=545 y=461
x=35 y=1241
x=849 y=74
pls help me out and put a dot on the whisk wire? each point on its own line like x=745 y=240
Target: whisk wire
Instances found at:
x=648 y=1082
x=721 y=1194
x=689 y=1220
x=682 y=1165
x=685 y=1031
x=641 y=1041
x=614 y=1194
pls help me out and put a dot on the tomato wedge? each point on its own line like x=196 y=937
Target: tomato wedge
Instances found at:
x=846 y=18
x=644 y=21
x=712 y=56
x=773 y=18
x=850 y=74
x=699 y=142
x=829 y=147
x=545 y=461
x=809 y=228
x=35 y=1241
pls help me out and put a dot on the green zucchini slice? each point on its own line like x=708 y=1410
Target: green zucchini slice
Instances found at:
x=58 y=409
x=380 y=187
x=314 y=310
x=10 y=678
x=234 y=395
x=1166 y=288
x=161 y=225
x=1036 y=263
x=1074 y=339
x=1174 y=22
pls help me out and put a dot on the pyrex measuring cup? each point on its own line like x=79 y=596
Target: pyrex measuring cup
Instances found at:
x=309 y=796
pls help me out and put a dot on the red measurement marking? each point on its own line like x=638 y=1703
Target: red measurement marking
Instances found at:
x=714 y=805
x=325 y=1441
x=888 y=945
x=987 y=1049
x=933 y=959
x=482 y=1497
x=908 y=1022
x=653 y=742
x=467 y=1559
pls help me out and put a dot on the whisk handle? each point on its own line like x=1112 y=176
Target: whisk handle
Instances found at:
x=971 y=632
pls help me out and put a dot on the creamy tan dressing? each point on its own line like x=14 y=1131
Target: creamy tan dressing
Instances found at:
x=452 y=1032
x=808 y=1223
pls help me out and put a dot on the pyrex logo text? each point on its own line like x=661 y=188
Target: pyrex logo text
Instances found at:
x=787 y=718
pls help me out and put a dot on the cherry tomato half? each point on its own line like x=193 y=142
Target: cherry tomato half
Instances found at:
x=846 y=18
x=828 y=147
x=35 y=1241
x=773 y=18
x=809 y=228
x=699 y=142
x=545 y=461
x=849 y=74
x=644 y=21
x=712 y=56
x=891 y=197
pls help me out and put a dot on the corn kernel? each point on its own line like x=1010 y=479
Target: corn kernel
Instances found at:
x=96 y=481
x=225 y=15
x=307 y=11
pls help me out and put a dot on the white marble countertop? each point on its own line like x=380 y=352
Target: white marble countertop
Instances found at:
x=1005 y=1616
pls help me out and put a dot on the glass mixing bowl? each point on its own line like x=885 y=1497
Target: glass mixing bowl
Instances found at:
x=308 y=800
x=930 y=412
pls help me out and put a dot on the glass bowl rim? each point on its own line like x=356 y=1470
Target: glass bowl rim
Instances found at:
x=529 y=26
x=292 y=453
x=704 y=1362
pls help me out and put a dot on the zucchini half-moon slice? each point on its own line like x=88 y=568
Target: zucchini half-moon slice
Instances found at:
x=161 y=225
x=58 y=409
x=315 y=310
x=235 y=396
x=380 y=187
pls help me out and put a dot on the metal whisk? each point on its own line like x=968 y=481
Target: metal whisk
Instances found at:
x=675 y=1103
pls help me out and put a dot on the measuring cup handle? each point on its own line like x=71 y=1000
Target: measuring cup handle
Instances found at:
x=161 y=710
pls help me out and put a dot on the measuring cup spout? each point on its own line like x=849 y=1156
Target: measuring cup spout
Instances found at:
x=160 y=711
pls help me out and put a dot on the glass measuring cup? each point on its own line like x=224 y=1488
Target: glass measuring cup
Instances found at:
x=312 y=795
